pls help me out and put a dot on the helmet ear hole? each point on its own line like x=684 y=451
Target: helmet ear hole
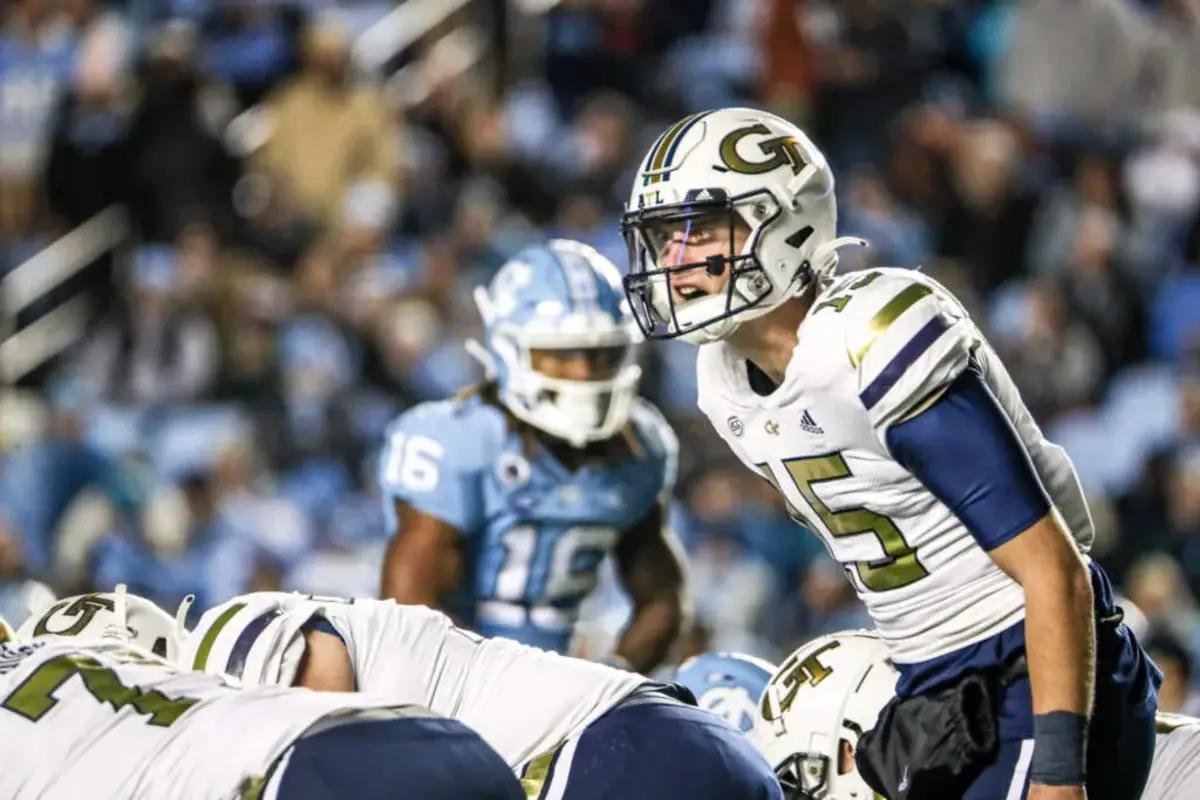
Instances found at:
x=797 y=239
x=160 y=647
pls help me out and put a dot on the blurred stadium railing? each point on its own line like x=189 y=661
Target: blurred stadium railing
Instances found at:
x=25 y=347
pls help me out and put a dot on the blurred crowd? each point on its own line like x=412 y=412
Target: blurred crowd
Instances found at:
x=311 y=210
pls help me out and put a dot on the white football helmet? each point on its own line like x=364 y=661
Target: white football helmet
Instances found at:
x=110 y=616
x=745 y=165
x=829 y=691
x=561 y=296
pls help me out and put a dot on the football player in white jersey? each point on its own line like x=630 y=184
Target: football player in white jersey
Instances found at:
x=87 y=710
x=571 y=728
x=815 y=708
x=874 y=405
x=1175 y=773
x=831 y=690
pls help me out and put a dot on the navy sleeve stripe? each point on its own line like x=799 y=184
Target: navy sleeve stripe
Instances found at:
x=245 y=640
x=895 y=369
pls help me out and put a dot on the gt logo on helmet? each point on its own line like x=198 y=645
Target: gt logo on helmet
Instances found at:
x=782 y=151
x=85 y=608
x=794 y=673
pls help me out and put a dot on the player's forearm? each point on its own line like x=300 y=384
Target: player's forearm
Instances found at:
x=650 y=633
x=399 y=586
x=404 y=583
x=1060 y=640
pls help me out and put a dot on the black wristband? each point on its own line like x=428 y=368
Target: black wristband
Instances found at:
x=1059 y=749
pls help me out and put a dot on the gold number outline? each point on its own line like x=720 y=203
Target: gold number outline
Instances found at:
x=838 y=303
x=34 y=697
x=901 y=566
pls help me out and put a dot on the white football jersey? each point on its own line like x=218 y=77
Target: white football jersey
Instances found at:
x=113 y=721
x=1175 y=772
x=521 y=700
x=873 y=348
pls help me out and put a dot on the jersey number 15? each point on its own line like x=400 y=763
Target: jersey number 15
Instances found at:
x=898 y=568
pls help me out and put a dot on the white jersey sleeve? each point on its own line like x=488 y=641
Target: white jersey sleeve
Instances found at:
x=905 y=337
x=521 y=700
x=114 y=721
x=1175 y=771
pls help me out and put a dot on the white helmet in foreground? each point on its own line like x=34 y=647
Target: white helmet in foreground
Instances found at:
x=815 y=708
x=110 y=616
x=736 y=168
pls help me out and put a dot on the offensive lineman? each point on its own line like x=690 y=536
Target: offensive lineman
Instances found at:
x=571 y=728
x=832 y=688
x=1175 y=774
x=87 y=710
x=873 y=404
x=504 y=501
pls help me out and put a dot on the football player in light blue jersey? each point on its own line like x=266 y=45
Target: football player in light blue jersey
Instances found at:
x=505 y=500
x=727 y=684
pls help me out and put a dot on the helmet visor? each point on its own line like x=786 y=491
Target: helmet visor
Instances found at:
x=581 y=363
x=684 y=253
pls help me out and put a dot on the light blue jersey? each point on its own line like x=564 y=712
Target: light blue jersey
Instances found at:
x=535 y=533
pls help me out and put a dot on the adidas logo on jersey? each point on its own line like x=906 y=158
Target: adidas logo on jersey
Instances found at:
x=809 y=424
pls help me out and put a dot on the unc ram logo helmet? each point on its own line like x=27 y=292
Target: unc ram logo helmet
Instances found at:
x=828 y=691
x=561 y=296
x=110 y=616
x=727 y=684
x=748 y=166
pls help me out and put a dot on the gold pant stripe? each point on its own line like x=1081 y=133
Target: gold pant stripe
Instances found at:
x=537 y=773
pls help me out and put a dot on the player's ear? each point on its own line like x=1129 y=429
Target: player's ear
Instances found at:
x=845 y=758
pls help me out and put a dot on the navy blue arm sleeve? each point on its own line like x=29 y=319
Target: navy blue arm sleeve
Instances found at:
x=965 y=451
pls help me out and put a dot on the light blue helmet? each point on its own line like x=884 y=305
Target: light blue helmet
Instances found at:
x=727 y=684
x=561 y=296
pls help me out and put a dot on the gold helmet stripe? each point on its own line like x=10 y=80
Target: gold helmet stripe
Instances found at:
x=658 y=159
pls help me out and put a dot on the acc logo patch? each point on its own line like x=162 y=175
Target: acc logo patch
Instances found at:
x=512 y=470
x=781 y=151
x=735 y=426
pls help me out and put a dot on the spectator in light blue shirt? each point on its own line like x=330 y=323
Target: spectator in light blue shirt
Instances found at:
x=214 y=564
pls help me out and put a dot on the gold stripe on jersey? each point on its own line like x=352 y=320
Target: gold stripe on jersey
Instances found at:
x=885 y=317
x=210 y=638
